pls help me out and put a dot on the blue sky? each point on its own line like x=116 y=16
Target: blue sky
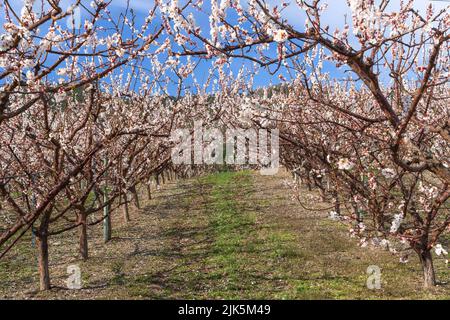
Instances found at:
x=334 y=16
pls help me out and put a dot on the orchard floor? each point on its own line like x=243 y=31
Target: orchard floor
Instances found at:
x=224 y=236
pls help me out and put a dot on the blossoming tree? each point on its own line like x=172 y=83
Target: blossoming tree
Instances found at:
x=381 y=134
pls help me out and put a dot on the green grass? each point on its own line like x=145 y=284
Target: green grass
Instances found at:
x=22 y=267
x=233 y=229
x=243 y=258
x=230 y=235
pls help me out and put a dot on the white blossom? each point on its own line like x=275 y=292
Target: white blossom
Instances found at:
x=345 y=164
x=388 y=173
x=440 y=250
x=280 y=35
x=396 y=222
x=333 y=215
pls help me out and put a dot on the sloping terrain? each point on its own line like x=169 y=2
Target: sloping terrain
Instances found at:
x=224 y=236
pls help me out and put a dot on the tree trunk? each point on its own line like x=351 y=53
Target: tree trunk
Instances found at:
x=149 y=192
x=84 y=253
x=308 y=182
x=157 y=182
x=337 y=202
x=356 y=212
x=107 y=232
x=426 y=259
x=126 y=213
x=42 y=244
x=44 y=274
x=134 y=192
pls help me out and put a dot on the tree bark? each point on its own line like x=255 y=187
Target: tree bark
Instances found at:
x=84 y=251
x=426 y=259
x=42 y=244
x=107 y=231
x=337 y=202
x=308 y=182
x=134 y=192
x=149 y=192
x=126 y=213
x=44 y=273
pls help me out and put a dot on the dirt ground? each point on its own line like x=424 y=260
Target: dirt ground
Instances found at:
x=224 y=236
